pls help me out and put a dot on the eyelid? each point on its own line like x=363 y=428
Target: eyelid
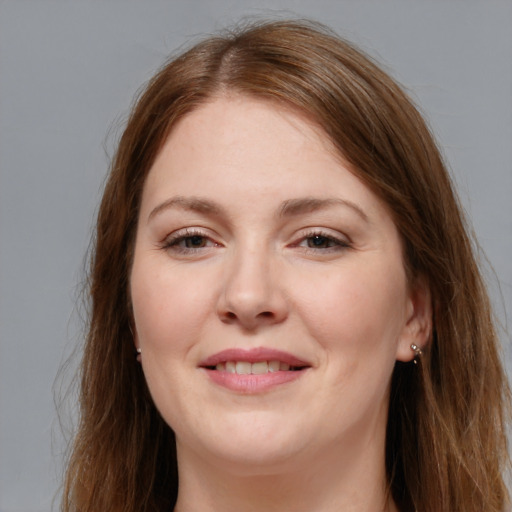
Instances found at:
x=170 y=242
x=342 y=242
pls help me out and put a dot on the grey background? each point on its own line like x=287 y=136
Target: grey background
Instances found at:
x=68 y=72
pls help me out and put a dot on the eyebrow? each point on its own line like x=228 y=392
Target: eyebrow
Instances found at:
x=289 y=208
x=293 y=207
x=195 y=204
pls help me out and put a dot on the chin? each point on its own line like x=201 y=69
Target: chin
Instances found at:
x=249 y=445
x=256 y=460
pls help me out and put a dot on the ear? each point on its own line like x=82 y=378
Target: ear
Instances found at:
x=133 y=332
x=418 y=321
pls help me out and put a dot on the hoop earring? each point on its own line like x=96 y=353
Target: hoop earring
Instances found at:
x=417 y=353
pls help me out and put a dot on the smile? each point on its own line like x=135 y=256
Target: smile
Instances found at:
x=253 y=371
x=259 y=368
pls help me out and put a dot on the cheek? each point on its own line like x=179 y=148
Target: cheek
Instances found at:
x=167 y=308
x=357 y=310
x=169 y=312
x=357 y=318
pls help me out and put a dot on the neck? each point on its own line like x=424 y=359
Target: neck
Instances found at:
x=352 y=481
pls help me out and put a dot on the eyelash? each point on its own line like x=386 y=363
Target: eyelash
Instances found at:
x=337 y=243
x=174 y=240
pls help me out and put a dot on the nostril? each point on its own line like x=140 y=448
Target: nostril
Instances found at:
x=266 y=314
x=228 y=317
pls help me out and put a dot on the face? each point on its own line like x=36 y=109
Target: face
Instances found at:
x=269 y=293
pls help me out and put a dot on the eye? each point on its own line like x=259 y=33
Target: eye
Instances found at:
x=192 y=242
x=321 y=242
x=188 y=241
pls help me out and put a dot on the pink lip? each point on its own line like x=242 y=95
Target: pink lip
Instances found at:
x=252 y=356
x=253 y=384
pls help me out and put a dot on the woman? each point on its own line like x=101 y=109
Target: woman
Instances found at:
x=286 y=311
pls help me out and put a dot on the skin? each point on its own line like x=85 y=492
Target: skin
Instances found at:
x=325 y=283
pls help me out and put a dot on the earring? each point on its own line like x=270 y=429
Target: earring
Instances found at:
x=139 y=352
x=417 y=353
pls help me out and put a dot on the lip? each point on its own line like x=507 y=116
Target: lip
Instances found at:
x=254 y=355
x=253 y=383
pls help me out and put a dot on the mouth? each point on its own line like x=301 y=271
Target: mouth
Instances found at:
x=255 y=370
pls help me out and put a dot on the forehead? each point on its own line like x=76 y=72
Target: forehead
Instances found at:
x=239 y=147
x=246 y=122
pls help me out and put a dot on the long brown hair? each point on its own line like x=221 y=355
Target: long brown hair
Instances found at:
x=446 y=447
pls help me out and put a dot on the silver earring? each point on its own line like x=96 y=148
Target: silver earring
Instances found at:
x=417 y=353
x=139 y=352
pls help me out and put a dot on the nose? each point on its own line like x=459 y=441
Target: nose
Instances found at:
x=252 y=296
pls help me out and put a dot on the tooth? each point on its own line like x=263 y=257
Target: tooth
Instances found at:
x=273 y=366
x=230 y=367
x=220 y=367
x=284 y=367
x=243 y=368
x=259 y=368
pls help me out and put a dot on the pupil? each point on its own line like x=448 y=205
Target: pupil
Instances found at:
x=195 y=241
x=318 y=241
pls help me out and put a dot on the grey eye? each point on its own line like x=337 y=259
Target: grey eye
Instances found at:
x=195 y=241
x=320 y=242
